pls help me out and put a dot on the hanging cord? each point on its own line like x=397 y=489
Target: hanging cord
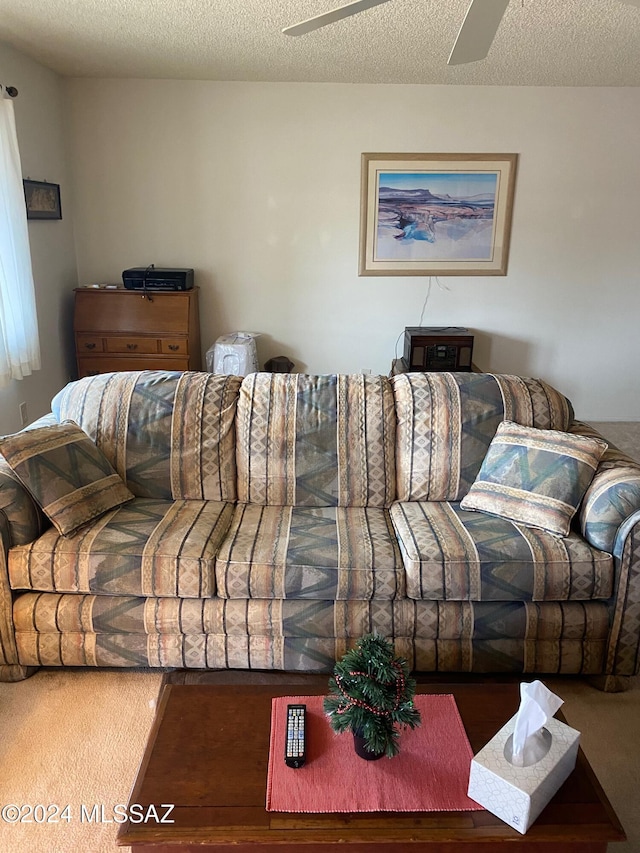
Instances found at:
x=145 y=275
x=424 y=304
x=442 y=287
x=424 y=308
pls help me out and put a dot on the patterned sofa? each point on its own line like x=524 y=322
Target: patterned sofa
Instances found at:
x=280 y=517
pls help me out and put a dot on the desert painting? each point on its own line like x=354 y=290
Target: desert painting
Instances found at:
x=435 y=216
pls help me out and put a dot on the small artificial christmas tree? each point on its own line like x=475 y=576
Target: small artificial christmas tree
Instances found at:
x=372 y=694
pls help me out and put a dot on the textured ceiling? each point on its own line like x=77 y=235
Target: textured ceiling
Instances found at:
x=539 y=43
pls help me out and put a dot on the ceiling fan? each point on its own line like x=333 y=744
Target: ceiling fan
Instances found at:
x=472 y=42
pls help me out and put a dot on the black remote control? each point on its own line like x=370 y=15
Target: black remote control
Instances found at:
x=295 y=749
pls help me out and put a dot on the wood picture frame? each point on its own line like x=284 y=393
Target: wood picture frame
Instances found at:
x=436 y=214
x=42 y=200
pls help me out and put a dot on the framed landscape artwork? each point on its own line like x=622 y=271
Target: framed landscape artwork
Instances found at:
x=42 y=200
x=436 y=214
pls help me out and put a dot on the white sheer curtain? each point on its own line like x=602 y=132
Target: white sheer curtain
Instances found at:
x=19 y=345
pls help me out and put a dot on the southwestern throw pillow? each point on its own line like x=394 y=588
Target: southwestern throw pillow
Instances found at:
x=69 y=477
x=535 y=477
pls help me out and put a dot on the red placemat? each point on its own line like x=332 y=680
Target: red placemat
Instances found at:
x=431 y=773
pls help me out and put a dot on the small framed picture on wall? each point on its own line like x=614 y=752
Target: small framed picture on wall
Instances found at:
x=42 y=200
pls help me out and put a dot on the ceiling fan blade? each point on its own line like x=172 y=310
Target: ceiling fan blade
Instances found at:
x=329 y=17
x=477 y=31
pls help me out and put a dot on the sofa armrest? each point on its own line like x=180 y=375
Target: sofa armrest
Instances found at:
x=20 y=522
x=21 y=517
x=612 y=497
x=623 y=647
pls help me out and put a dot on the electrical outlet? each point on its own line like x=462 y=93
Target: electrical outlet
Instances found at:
x=24 y=417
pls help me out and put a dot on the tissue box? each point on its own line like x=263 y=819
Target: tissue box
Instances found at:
x=517 y=795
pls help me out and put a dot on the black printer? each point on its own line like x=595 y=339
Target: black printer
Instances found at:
x=158 y=278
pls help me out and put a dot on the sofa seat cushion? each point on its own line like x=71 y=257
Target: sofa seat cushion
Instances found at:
x=328 y=553
x=146 y=547
x=453 y=554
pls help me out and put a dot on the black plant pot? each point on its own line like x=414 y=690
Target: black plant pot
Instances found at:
x=359 y=744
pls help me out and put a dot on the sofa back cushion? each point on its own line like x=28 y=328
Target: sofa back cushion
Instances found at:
x=167 y=434
x=446 y=422
x=316 y=440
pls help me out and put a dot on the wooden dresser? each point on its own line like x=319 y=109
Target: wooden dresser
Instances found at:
x=126 y=330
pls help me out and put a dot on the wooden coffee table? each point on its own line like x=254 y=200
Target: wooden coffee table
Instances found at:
x=208 y=752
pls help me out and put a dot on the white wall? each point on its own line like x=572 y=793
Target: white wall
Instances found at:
x=40 y=123
x=257 y=186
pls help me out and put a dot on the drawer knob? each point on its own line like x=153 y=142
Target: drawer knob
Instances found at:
x=132 y=346
x=90 y=346
x=174 y=347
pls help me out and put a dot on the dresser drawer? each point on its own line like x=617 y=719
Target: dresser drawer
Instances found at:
x=132 y=345
x=130 y=311
x=89 y=343
x=90 y=366
x=174 y=346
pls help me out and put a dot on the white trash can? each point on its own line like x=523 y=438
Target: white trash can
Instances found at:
x=235 y=354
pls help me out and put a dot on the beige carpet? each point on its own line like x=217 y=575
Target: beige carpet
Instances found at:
x=72 y=737
x=610 y=737
x=76 y=737
x=624 y=434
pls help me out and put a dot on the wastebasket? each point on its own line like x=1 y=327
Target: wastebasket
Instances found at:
x=279 y=364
